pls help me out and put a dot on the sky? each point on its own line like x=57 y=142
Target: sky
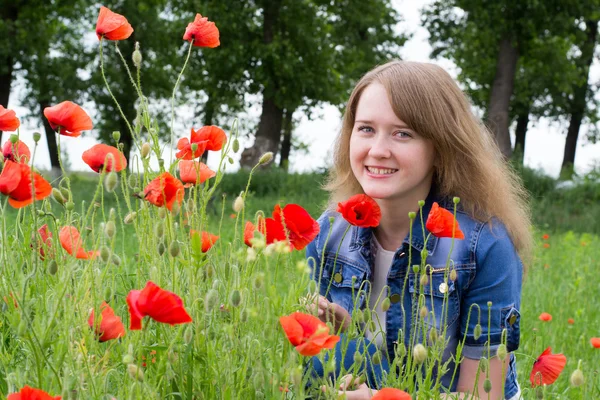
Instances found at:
x=543 y=148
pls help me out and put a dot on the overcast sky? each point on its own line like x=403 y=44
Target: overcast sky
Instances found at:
x=543 y=149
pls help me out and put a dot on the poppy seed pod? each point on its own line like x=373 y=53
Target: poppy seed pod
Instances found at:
x=412 y=215
x=70 y=206
x=14 y=139
x=145 y=151
x=421 y=203
x=419 y=353
x=265 y=158
x=37 y=136
x=111 y=181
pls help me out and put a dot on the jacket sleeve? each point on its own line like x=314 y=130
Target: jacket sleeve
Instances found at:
x=314 y=250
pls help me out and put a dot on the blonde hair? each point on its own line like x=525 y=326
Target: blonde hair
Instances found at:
x=469 y=165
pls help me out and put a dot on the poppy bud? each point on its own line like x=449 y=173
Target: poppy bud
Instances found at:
x=159 y=229
x=412 y=215
x=358 y=358
x=190 y=205
x=424 y=254
x=115 y=259
x=132 y=181
x=415 y=269
x=188 y=335
x=230 y=160
x=70 y=206
x=453 y=275
x=424 y=280
x=175 y=209
x=136 y=57
x=110 y=229
x=456 y=200
x=236 y=298
x=194 y=147
x=161 y=248
x=145 y=150
x=259 y=280
x=104 y=253
x=238 y=204
x=52 y=267
x=489 y=304
x=385 y=304
x=577 y=378
x=22 y=328
x=421 y=203
x=116 y=135
x=111 y=181
x=401 y=349
x=235 y=146
x=162 y=213
x=487 y=385
x=296 y=375
x=250 y=254
x=211 y=300
x=483 y=364
x=112 y=214
x=243 y=315
x=501 y=352
x=419 y=353
x=58 y=196
x=135 y=372
x=107 y=293
x=128 y=359
x=376 y=358
x=37 y=136
x=477 y=332
x=265 y=158
x=174 y=248
x=14 y=138
x=423 y=312
x=433 y=336
x=129 y=218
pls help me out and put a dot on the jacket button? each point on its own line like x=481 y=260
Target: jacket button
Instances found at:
x=337 y=277
x=401 y=255
x=395 y=298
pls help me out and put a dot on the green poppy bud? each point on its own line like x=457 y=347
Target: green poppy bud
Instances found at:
x=483 y=364
x=37 y=136
x=453 y=275
x=265 y=158
x=161 y=248
x=188 y=335
x=145 y=151
x=385 y=304
x=115 y=259
x=128 y=359
x=70 y=206
x=135 y=372
x=423 y=312
x=162 y=213
x=129 y=218
x=376 y=358
x=159 y=229
x=111 y=181
x=401 y=349
x=210 y=300
x=487 y=385
x=235 y=146
x=421 y=203
x=236 y=298
x=456 y=200
x=424 y=280
x=358 y=358
x=477 y=332
x=105 y=253
x=577 y=378
x=116 y=135
x=419 y=353
x=136 y=57
x=412 y=215
x=14 y=138
x=110 y=229
x=52 y=267
x=415 y=269
x=174 y=248
x=58 y=196
x=433 y=336
x=502 y=352
x=230 y=160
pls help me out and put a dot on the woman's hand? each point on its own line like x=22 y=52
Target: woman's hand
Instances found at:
x=331 y=312
x=353 y=389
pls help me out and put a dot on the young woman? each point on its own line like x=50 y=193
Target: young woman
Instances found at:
x=409 y=134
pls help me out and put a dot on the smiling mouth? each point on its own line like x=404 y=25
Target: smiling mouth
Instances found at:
x=380 y=171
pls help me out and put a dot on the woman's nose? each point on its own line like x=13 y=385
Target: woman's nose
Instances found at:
x=379 y=147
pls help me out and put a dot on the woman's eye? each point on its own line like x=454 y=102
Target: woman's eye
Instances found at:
x=364 y=128
x=403 y=134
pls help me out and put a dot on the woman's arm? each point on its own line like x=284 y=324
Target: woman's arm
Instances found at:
x=469 y=369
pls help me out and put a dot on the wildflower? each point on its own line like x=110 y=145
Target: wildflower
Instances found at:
x=46 y=237
x=301 y=227
x=15 y=182
x=159 y=304
x=249 y=229
x=307 y=333
x=595 y=342
x=18 y=152
x=8 y=120
x=112 y=26
x=164 y=190
x=570 y=321
x=194 y=172
x=547 y=368
x=102 y=156
x=360 y=210
x=70 y=240
x=208 y=239
x=110 y=326
x=545 y=236
x=68 y=118
x=265 y=158
x=441 y=222
x=546 y=245
x=391 y=394
x=205 y=138
x=29 y=393
x=203 y=32
x=545 y=317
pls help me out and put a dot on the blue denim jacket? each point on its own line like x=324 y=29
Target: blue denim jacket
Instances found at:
x=488 y=269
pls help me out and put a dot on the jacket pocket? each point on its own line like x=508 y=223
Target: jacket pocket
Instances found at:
x=343 y=283
x=439 y=295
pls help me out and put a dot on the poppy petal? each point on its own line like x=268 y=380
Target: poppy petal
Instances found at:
x=70 y=118
x=441 y=222
x=203 y=32
x=8 y=120
x=360 y=210
x=18 y=152
x=112 y=26
x=100 y=154
x=135 y=316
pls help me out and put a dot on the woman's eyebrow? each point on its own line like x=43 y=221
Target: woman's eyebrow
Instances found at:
x=365 y=121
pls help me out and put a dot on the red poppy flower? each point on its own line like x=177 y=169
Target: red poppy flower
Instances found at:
x=8 y=120
x=301 y=227
x=159 y=304
x=206 y=138
x=571 y=321
x=29 y=393
x=112 y=26
x=46 y=243
x=307 y=333
x=440 y=223
x=391 y=394
x=208 y=239
x=18 y=152
x=15 y=182
x=595 y=342
x=360 y=210
x=194 y=172
x=545 y=317
x=203 y=32
x=545 y=236
x=70 y=240
x=68 y=118
x=547 y=368
x=249 y=229
x=98 y=155
x=110 y=326
x=546 y=245
x=164 y=190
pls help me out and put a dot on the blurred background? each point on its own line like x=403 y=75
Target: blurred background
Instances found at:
x=286 y=67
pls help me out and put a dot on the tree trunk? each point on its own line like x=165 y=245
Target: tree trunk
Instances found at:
x=8 y=13
x=126 y=139
x=520 y=132
x=286 y=144
x=5 y=81
x=578 y=104
x=50 y=137
x=209 y=112
x=502 y=89
x=269 y=127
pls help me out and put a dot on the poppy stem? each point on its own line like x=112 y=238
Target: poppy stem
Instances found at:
x=173 y=96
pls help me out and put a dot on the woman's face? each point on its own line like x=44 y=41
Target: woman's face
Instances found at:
x=389 y=160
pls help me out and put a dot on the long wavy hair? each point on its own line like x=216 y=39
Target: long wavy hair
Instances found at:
x=469 y=164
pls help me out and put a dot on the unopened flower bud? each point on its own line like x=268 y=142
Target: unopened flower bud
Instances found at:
x=236 y=298
x=105 y=253
x=188 y=335
x=483 y=364
x=412 y=215
x=52 y=267
x=424 y=280
x=376 y=358
x=358 y=358
x=70 y=206
x=37 y=136
x=194 y=147
x=238 y=204
x=489 y=304
x=211 y=300
x=174 y=248
x=230 y=160
x=453 y=275
x=115 y=259
x=487 y=385
x=145 y=150
x=14 y=138
x=58 y=196
x=421 y=203
x=111 y=181
x=136 y=57
x=433 y=336
x=129 y=218
x=259 y=280
x=423 y=312
x=577 y=378
x=116 y=135
x=502 y=352
x=162 y=213
x=135 y=372
x=159 y=229
x=477 y=332
x=415 y=269
x=110 y=229
x=419 y=353
x=235 y=146
x=128 y=359
x=161 y=248
x=456 y=200
x=385 y=304
x=265 y=158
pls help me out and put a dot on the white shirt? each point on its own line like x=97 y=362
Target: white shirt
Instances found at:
x=382 y=264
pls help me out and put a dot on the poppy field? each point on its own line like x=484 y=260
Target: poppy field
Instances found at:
x=152 y=284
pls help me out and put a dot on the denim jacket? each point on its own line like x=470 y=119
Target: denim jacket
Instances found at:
x=488 y=274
